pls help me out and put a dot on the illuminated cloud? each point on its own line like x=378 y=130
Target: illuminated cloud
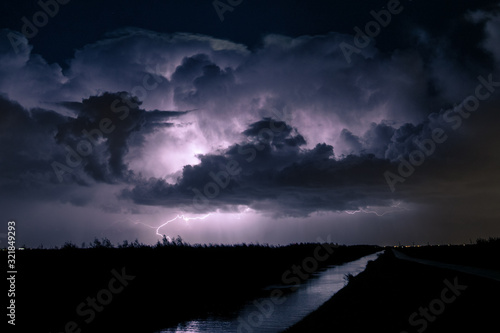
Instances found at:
x=302 y=131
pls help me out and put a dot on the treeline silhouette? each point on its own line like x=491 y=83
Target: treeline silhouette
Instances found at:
x=483 y=253
x=174 y=281
x=493 y=242
x=105 y=243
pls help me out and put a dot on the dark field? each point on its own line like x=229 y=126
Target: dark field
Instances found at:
x=139 y=288
x=390 y=295
x=143 y=289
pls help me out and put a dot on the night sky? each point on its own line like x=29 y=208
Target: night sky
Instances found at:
x=250 y=121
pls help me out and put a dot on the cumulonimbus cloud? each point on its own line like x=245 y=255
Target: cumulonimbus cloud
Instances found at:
x=369 y=112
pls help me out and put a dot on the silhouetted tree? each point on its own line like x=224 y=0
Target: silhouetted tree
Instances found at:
x=69 y=246
x=124 y=244
x=136 y=243
x=178 y=241
x=106 y=243
x=96 y=244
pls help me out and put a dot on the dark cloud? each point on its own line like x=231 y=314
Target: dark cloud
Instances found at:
x=94 y=142
x=377 y=139
x=198 y=80
x=26 y=141
x=352 y=142
x=285 y=126
x=105 y=126
x=274 y=174
x=271 y=166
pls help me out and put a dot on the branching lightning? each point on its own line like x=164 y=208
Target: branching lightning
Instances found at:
x=396 y=208
x=242 y=210
x=180 y=217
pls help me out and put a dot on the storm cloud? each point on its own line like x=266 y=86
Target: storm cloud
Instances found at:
x=141 y=121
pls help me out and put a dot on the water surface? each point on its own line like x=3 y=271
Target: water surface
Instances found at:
x=273 y=318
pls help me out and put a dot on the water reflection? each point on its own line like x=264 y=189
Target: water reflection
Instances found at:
x=265 y=315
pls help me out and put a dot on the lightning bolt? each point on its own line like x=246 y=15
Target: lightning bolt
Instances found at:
x=362 y=210
x=180 y=217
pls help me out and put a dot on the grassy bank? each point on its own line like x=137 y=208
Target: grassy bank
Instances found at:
x=389 y=291
x=158 y=286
